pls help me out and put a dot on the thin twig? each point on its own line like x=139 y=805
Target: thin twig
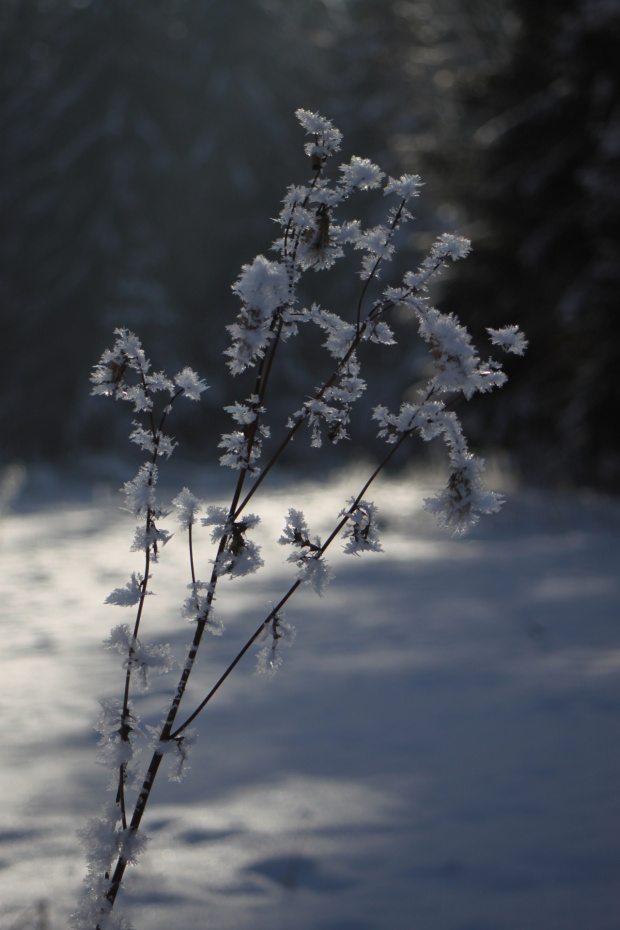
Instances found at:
x=321 y=551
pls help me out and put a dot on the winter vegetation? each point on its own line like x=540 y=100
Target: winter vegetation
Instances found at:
x=431 y=741
x=312 y=239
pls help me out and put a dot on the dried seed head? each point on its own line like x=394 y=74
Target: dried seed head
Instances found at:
x=118 y=372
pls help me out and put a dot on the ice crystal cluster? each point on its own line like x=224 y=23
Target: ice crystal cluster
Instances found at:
x=312 y=238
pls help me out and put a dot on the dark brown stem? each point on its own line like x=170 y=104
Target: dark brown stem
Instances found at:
x=236 y=661
x=125 y=728
x=376 y=265
x=191 y=554
x=121 y=865
x=260 y=388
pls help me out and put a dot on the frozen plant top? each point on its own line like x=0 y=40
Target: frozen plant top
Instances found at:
x=271 y=313
x=327 y=138
x=313 y=239
x=509 y=338
x=110 y=376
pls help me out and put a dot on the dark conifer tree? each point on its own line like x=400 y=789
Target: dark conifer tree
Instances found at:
x=546 y=177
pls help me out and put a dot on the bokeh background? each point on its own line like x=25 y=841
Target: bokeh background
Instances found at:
x=145 y=145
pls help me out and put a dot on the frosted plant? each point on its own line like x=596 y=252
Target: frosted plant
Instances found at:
x=275 y=633
x=311 y=239
x=361 y=531
x=307 y=553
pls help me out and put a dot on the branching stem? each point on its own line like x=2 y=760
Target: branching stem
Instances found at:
x=276 y=610
x=265 y=328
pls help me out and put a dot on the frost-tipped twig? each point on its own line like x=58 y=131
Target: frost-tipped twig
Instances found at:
x=311 y=240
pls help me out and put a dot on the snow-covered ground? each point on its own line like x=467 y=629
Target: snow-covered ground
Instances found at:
x=439 y=751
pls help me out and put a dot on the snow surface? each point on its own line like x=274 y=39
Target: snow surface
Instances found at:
x=440 y=749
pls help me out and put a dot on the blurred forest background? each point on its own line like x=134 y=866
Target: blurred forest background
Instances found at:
x=145 y=144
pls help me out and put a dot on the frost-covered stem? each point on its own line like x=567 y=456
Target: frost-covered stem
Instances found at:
x=165 y=736
x=267 y=468
x=124 y=728
x=236 y=660
x=335 y=532
x=261 y=385
x=277 y=609
x=290 y=219
x=375 y=268
x=293 y=429
x=319 y=553
x=121 y=865
x=266 y=363
x=147 y=395
x=260 y=388
x=263 y=379
x=112 y=831
x=124 y=731
x=379 y=308
x=193 y=650
x=149 y=780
